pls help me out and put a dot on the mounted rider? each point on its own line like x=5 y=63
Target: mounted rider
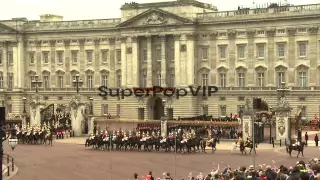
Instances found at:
x=125 y=137
x=240 y=140
x=297 y=142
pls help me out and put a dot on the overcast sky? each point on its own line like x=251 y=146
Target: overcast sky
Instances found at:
x=102 y=9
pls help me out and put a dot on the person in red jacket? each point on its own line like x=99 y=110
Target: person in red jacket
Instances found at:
x=149 y=176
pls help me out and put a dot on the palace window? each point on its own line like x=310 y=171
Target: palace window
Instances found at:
x=10 y=80
x=260 y=80
x=89 y=81
x=204 y=79
x=144 y=55
x=280 y=78
x=1 y=57
x=158 y=79
x=144 y=79
x=60 y=81
x=172 y=77
x=89 y=56
x=241 y=80
x=105 y=55
x=303 y=79
x=119 y=81
x=204 y=51
x=1 y=81
x=31 y=57
x=45 y=57
x=9 y=106
x=261 y=49
x=205 y=110
x=104 y=80
x=223 y=110
x=104 y=109
x=302 y=49
x=46 y=82
x=281 y=50
x=32 y=81
x=141 y=113
x=10 y=57
x=60 y=57
x=118 y=55
x=74 y=56
x=222 y=52
x=171 y=52
x=158 y=54
x=281 y=31
x=223 y=79
x=118 y=110
x=241 y=51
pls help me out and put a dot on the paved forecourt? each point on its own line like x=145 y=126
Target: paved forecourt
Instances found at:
x=74 y=161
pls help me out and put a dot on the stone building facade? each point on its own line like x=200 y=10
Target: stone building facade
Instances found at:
x=246 y=53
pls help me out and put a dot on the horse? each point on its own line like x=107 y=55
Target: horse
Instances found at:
x=247 y=144
x=299 y=148
x=48 y=138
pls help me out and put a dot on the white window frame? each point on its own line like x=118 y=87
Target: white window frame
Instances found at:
x=241 y=79
x=281 y=77
x=241 y=55
x=89 y=55
x=104 y=80
x=302 y=48
x=303 y=78
x=204 y=79
x=90 y=81
x=261 y=51
x=261 y=79
x=223 y=79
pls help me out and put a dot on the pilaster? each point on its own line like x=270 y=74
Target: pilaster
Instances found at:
x=149 y=62
x=231 y=61
x=190 y=59
x=53 y=61
x=292 y=54
x=213 y=57
x=135 y=62
x=177 y=59
x=124 y=64
x=163 y=61
x=270 y=78
x=5 y=64
x=96 y=63
x=66 y=64
x=18 y=68
x=251 y=59
x=82 y=59
x=112 y=62
x=38 y=59
x=312 y=54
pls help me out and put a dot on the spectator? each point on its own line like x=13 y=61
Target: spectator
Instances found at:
x=135 y=176
x=271 y=175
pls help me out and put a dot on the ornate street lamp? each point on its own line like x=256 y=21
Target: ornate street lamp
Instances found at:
x=77 y=82
x=24 y=99
x=91 y=105
x=13 y=141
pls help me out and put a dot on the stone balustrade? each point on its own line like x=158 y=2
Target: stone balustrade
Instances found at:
x=284 y=11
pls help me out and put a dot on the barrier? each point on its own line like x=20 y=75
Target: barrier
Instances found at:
x=9 y=165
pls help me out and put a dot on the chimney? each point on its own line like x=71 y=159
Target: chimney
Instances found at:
x=50 y=18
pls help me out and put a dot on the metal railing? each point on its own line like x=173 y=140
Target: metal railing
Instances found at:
x=8 y=161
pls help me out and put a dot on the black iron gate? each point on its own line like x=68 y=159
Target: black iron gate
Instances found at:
x=63 y=117
x=47 y=115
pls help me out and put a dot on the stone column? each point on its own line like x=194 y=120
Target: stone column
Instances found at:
x=190 y=59
x=91 y=125
x=163 y=61
x=135 y=62
x=18 y=69
x=149 y=62
x=96 y=63
x=5 y=64
x=124 y=61
x=312 y=54
x=53 y=63
x=292 y=54
x=177 y=59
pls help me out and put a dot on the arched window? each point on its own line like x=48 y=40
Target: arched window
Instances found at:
x=158 y=82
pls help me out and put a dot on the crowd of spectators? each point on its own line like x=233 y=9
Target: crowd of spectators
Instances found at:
x=299 y=171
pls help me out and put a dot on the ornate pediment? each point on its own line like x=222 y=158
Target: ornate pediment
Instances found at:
x=6 y=29
x=154 y=17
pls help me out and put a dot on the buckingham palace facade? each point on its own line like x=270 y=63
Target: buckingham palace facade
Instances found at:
x=246 y=53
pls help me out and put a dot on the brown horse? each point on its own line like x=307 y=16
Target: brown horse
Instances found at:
x=291 y=148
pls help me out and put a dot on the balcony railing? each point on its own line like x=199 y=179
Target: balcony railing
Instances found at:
x=293 y=88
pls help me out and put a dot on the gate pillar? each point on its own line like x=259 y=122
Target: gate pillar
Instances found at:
x=35 y=107
x=247 y=120
x=164 y=126
x=77 y=114
x=283 y=124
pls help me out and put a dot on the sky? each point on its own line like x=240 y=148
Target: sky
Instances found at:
x=103 y=9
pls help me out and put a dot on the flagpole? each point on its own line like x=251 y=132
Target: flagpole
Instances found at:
x=175 y=154
x=110 y=170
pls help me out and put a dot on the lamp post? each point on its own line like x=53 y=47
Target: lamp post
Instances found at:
x=91 y=105
x=37 y=82
x=13 y=141
x=24 y=99
x=77 y=82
